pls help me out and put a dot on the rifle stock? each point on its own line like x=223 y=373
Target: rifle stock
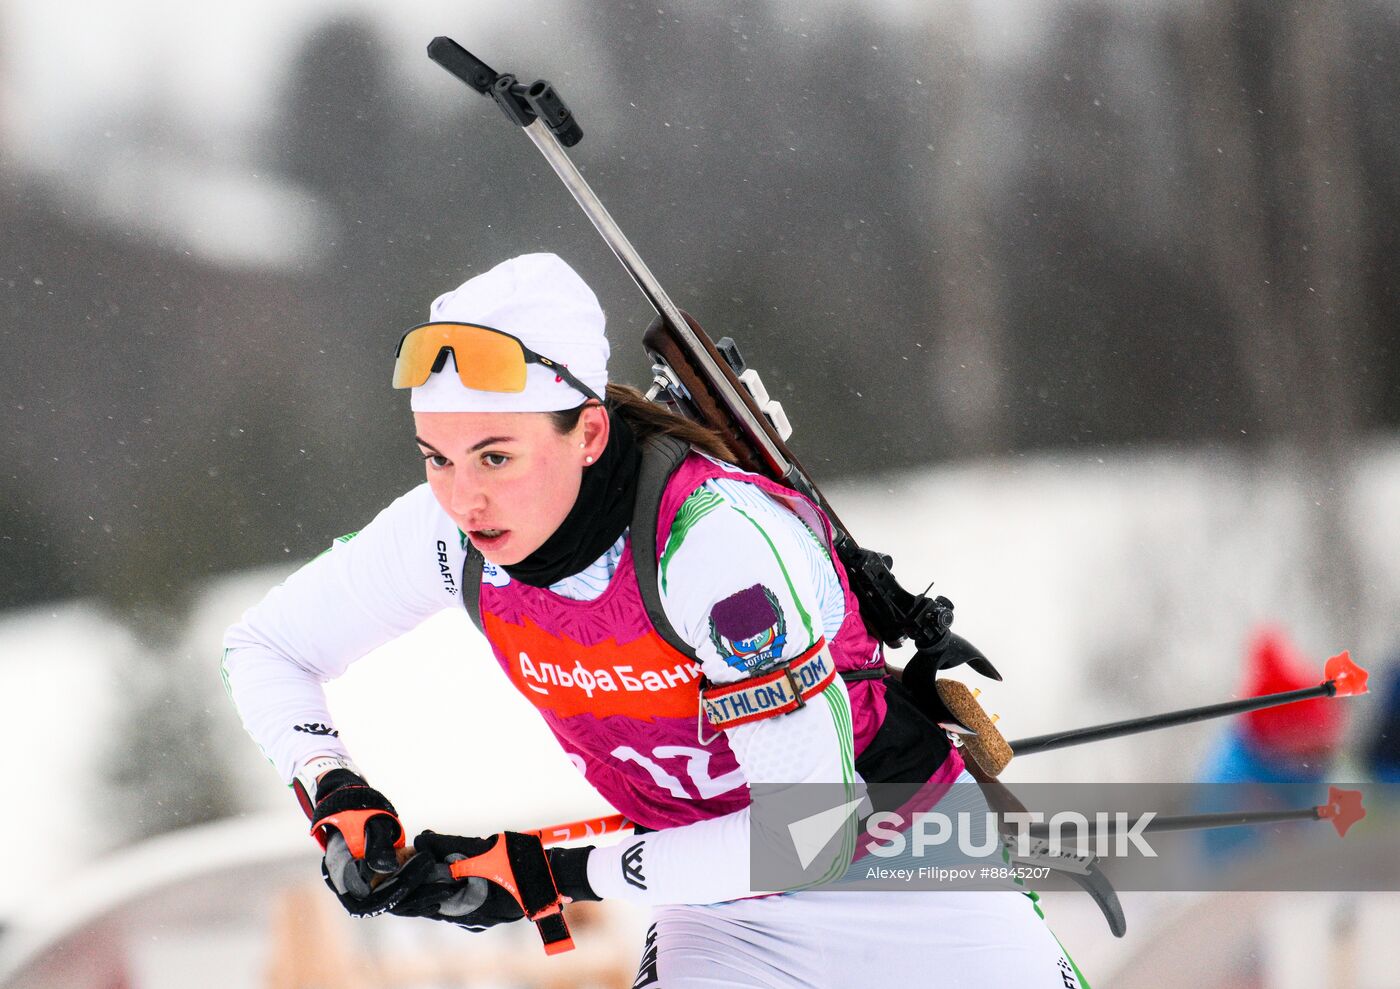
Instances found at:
x=749 y=433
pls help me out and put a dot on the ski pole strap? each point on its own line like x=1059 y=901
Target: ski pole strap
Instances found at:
x=873 y=673
x=518 y=864
x=349 y=809
x=780 y=691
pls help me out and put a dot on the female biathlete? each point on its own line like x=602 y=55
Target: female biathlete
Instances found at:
x=725 y=592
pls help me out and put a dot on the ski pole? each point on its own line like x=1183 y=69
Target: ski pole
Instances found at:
x=987 y=747
x=1343 y=809
x=592 y=827
x=1344 y=678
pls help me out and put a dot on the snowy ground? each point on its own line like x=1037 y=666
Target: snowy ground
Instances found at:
x=1101 y=588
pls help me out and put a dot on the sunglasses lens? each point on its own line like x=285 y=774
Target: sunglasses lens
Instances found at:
x=490 y=361
x=486 y=360
x=418 y=352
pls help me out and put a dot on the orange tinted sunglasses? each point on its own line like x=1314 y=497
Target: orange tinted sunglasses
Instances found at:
x=486 y=359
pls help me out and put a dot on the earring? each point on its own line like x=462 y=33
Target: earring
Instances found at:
x=588 y=460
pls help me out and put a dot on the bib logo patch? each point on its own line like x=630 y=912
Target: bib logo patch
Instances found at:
x=494 y=575
x=748 y=629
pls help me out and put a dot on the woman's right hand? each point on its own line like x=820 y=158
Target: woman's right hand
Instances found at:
x=368 y=897
x=361 y=833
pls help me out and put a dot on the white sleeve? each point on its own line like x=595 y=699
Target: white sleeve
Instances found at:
x=748 y=585
x=368 y=588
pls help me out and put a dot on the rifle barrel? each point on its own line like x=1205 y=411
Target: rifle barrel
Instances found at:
x=598 y=214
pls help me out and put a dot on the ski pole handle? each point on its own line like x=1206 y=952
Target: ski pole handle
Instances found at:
x=517 y=864
x=512 y=857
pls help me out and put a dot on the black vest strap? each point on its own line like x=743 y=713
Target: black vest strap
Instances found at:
x=661 y=456
x=471 y=585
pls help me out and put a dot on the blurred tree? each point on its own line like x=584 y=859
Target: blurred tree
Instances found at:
x=764 y=201
x=338 y=132
x=343 y=136
x=967 y=373
x=1114 y=337
x=1271 y=96
x=1376 y=37
x=33 y=568
x=1272 y=125
x=867 y=283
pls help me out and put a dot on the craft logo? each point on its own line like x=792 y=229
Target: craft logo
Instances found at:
x=748 y=629
x=1067 y=974
x=632 y=866
x=316 y=728
x=445 y=568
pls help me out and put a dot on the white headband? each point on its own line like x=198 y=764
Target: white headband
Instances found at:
x=541 y=300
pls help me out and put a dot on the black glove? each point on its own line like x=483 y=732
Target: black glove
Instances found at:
x=360 y=832
x=475 y=902
x=363 y=893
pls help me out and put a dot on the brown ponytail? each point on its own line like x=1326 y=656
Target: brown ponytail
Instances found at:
x=647 y=418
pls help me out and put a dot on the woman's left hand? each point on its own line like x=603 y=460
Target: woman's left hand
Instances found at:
x=507 y=878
